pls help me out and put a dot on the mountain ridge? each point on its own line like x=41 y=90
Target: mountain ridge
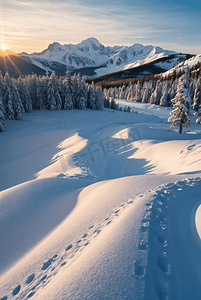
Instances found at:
x=90 y=53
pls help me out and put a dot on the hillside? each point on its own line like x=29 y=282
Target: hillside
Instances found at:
x=17 y=65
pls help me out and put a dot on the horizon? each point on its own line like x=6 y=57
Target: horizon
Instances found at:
x=30 y=26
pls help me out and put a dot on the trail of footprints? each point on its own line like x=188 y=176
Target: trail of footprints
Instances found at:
x=159 y=256
x=54 y=264
x=153 y=246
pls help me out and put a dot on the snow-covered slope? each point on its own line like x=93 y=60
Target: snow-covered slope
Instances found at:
x=187 y=64
x=91 y=53
x=100 y=205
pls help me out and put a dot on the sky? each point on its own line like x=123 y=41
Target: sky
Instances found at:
x=30 y=26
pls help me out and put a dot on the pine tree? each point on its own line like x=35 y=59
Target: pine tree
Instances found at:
x=197 y=95
x=147 y=92
x=27 y=103
x=179 y=116
x=68 y=101
x=57 y=98
x=164 y=97
x=156 y=95
x=67 y=93
x=122 y=92
x=2 y=85
x=74 y=90
x=7 y=101
x=51 y=101
x=91 y=103
x=137 y=97
x=198 y=121
x=99 y=99
x=81 y=99
x=2 y=117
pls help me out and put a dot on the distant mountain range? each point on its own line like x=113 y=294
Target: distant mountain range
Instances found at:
x=92 y=58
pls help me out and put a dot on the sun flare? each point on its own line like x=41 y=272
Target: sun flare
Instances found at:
x=3 y=47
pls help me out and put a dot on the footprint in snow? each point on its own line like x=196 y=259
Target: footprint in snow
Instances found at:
x=30 y=278
x=85 y=235
x=162 y=263
x=31 y=294
x=139 y=270
x=142 y=245
x=48 y=263
x=162 y=241
x=63 y=264
x=69 y=247
x=4 y=298
x=43 y=278
x=97 y=231
x=16 y=290
x=144 y=227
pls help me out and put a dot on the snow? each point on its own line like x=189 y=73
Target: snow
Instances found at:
x=91 y=53
x=100 y=205
x=189 y=63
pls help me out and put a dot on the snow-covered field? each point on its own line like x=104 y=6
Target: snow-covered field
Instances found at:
x=100 y=205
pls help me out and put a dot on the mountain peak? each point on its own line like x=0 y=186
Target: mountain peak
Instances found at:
x=91 y=42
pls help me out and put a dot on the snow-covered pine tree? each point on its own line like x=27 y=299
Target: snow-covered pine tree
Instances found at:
x=2 y=85
x=184 y=85
x=81 y=99
x=122 y=92
x=179 y=116
x=32 y=88
x=172 y=90
x=74 y=90
x=39 y=100
x=51 y=101
x=7 y=101
x=43 y=87
x=17 y=103
x=91 y=102
x=2 y=117
x=137 y=97
x=192 y=87
x=24 y=95
x=198 y=121
x=197 y=95
x=147 y=92
x=67 y=92
x=68 y=101
x=54 y=80
x=131 y=92
x=27 y=103
x=99 y=98
x=57 y=98
x=164 y=97
x=156 y=95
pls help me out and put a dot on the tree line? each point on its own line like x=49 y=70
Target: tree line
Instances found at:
x=50 y=92
x=182 y=92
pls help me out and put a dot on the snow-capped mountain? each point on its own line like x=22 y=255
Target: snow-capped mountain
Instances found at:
x=90 y=53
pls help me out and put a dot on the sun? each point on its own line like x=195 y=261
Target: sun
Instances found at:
x=3 y=47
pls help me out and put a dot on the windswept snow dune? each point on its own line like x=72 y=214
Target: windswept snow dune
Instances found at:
x=100 y=205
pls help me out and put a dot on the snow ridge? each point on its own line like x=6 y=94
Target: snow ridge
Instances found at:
x=91 y=53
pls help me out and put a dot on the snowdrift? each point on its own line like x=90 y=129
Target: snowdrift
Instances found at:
x=99 y=205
